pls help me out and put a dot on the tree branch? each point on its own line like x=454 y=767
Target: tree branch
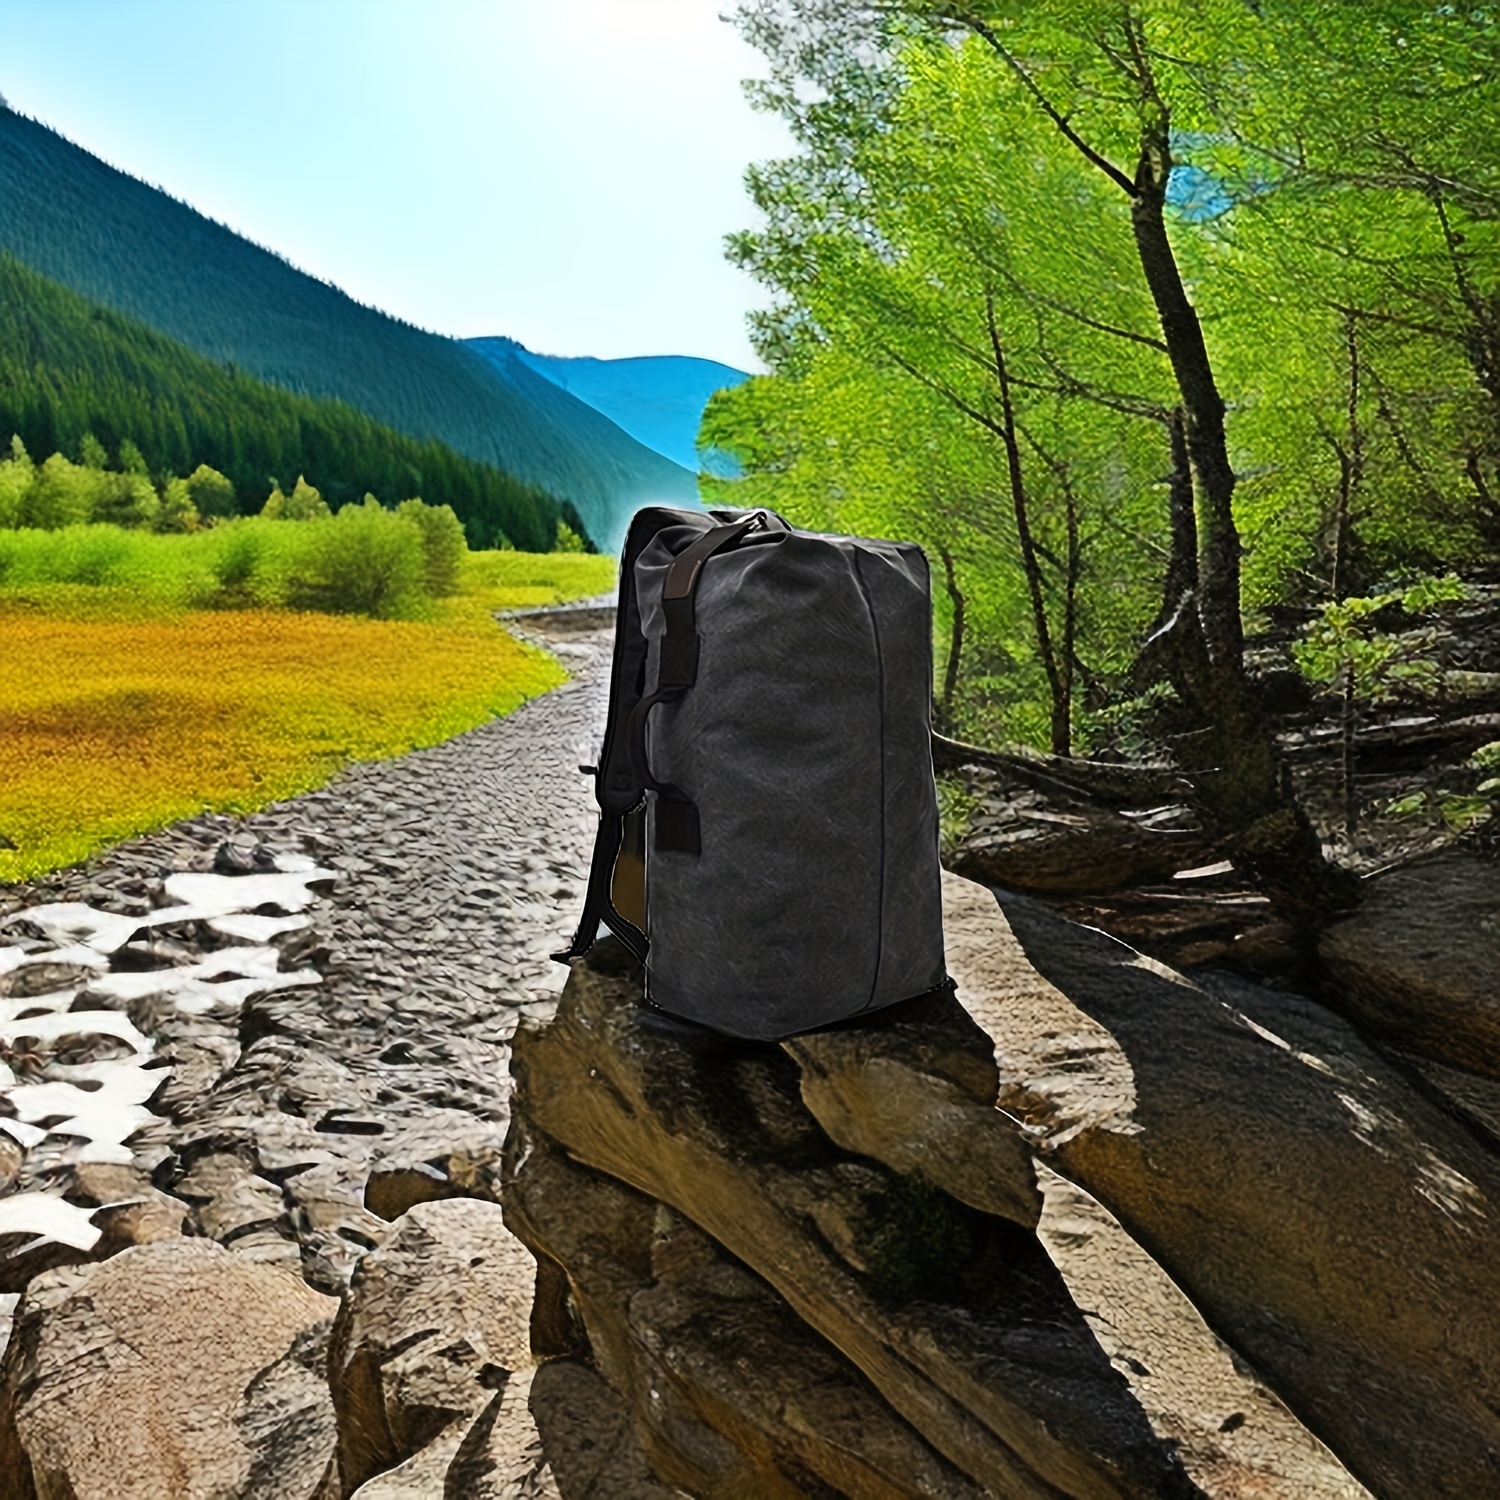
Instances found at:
x=973 y=23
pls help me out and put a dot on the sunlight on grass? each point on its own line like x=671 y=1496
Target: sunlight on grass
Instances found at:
x=119 y=713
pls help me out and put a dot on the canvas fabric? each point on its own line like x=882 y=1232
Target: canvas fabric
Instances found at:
x=807 y=889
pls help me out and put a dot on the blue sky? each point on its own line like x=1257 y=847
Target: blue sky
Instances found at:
x=561 y=171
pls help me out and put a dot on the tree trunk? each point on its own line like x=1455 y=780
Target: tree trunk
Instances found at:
x=1061 y=729
x=1243 y=790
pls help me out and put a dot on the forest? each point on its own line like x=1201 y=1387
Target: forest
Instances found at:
x=1172 y=332
x=137 y=251
x=74 y=374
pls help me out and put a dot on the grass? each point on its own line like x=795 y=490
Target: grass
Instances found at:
x=123 y=708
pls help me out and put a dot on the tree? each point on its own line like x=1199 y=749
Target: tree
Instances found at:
x=212 y=493
x=132 y=460
x=176 y=511
x=443 y=544
x=91 y=452
x=941 y=141
x=16 y=474
x=304 y=504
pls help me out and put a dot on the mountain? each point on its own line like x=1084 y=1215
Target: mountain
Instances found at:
x=135 y=249
x=658 y=399
x=71 y=370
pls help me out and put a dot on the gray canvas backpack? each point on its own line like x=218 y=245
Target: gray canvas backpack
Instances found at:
x=768 y=838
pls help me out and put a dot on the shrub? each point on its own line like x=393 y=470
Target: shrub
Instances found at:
x=244 y=568
x=568 y=540
x=304 y=504
x=364 y=561
x=90 y=554
x=60 y=494
x=211 y=493
x=124 y=500
x=443 y=544
x=15 y=480
x=176 y=511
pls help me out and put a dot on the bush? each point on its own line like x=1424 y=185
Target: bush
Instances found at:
x=61 y=494
x=443 y=544
x=568 y=540
x=305 y=503
x=246 y=569
x=211 y=493
x=176 y=511
x=364 y=561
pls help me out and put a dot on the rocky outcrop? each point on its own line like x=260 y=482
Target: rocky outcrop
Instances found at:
x=1417 y=964
x=174 y=1368
x=734 y=1393
x=956 y=1317
x=1334 y=1226
x=1058 y=843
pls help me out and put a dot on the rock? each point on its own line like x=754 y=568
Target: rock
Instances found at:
x=286 y=1422
x=1416 y=965
x=127 y=1208
x=915 y=1087
x=1064 y=844
x=1235 y=1438
x=164 y=1371
x=446 y=1153
x=736 y=1395
x=113 y=1204
x=584 y=1430
x=332 y=1226
x=234 y=857
x=433 y=1323
x=232 y=1204
x=1331 y=1224
x=957 y=1317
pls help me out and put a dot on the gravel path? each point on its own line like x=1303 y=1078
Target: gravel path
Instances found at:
x=461 y=867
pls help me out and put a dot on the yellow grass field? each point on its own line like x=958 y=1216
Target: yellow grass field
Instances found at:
x=113 y=726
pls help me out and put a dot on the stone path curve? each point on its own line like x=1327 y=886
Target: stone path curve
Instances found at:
x=461 y=868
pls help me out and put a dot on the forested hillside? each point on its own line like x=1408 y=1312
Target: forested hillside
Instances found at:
x=658 y=399
x=136 y=250
x=69 y=368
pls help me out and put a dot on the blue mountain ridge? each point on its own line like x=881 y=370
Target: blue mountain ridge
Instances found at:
x=134 y=248
x=657 y=398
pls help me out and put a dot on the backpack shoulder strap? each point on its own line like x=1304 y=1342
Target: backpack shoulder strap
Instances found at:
x=618 y=788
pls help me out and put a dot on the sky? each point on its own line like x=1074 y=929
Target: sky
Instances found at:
x=560 y=171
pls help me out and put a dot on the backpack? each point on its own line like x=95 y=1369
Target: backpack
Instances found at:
x=768 y=833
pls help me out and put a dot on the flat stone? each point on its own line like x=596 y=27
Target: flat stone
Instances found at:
x=915 y=1086
x=1418 y=965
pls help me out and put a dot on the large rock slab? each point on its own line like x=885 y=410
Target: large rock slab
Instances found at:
x=1419 y=963
x=734 y=1393
x=958 y=1318
x=1331 y=1223
x=174 y=1368
x=1234 y=1437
